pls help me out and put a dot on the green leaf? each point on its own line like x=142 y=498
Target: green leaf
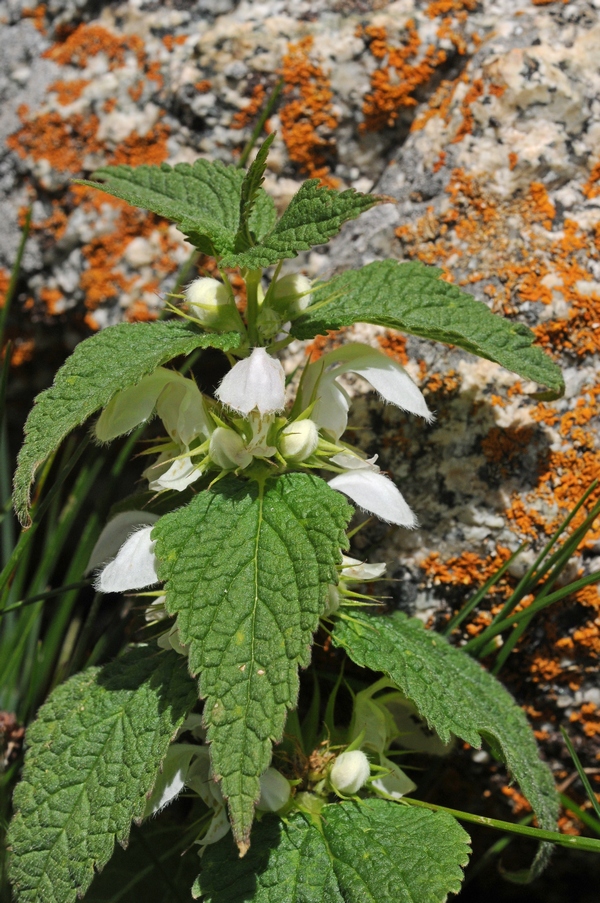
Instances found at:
x=99 y=367
x=313 y=217
x=249 y=194
x=94 y=753
x=413 y=298
x=455 y=695
x=203 y=198
x=246 y=572
x=372 y=852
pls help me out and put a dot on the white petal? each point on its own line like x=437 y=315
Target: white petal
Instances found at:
x=385 y=375
x=171 y=779
x=217 y=829
x=129 y=408
x=331 y=409
x=115 y=533
x=375 y=493
x=361 y=570
x=177 y=476
x=395 y=784
x=133 y=568
x=256 y=382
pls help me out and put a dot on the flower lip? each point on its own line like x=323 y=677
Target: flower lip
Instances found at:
x=258 y=382
x=375 y=493
x=133 y=568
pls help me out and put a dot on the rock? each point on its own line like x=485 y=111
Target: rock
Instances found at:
x=482 y=123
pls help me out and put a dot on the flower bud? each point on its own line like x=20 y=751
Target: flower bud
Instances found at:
x=349 y=772
x=299 y=440
x=227 y=449
x=212 y=304
x=274 y=791
x=256 y=382
x=291 y=294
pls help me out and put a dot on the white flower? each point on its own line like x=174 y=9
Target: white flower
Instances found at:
x=353 y=569
x=274 y=791
x=180 y=405
x=299 y=440
x=188 y=765
x=115 y=533
x=371 y=491
x=167 y=473
x=213 y=305
x=386 y=376
x=134 y=566
x=258 y=382
x=349 y=772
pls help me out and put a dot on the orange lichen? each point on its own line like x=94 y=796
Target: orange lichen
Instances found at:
x=37 y=14
x=69 y=91
x=53 y=300
x=466 y=569
x=90 y=40
x=244 y=116
x=394 y=345
x=441 y=7
x=170 y=41
x=307 y=119
x=437 y=382
x=518 y=803
x=4 y=283
x=22 y=352
x=203 y=86
x=63 y=142
x=139 y=312
x=148 y=149
x=505 y=447
x=589 y=718
x=393 y=84
x=591 y=189
x=322 y=344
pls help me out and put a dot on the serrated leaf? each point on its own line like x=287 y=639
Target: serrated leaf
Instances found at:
x=203 y=198
x=94 y=753
x=413 y=298
x=251 y=186
x=374 y=851
x=455 y=695
x=246 y=572
x=99 y=367
x=313 y=216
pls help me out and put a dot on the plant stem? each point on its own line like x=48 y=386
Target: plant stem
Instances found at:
x=590 y=844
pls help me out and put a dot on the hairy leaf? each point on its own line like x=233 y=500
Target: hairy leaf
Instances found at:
x=455 y=695
x=246 y=572
x=250 y=192
x=313 y=217
x=100 y=367
x=203 y=198
x=94 y=753
x=375 y=851
x=413 y=298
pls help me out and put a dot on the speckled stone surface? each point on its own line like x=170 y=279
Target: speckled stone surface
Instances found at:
x=481 y=120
